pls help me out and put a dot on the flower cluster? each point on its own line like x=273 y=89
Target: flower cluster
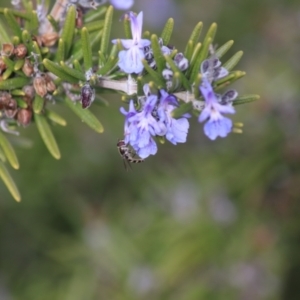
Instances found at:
x=155 y=115
x=215 y=105
x=154 y=118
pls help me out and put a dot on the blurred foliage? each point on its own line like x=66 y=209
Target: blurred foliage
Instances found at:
x=204 y=220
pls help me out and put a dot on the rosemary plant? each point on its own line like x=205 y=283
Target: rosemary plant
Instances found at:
x=65 y=55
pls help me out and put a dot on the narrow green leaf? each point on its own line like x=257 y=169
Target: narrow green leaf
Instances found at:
x=9 y=63
x=194 y=57
x=196 y=86
x=19 y=64
x=182 y=109
x=17 y=13
x=208 y=40
x=167 y=31
x=7 y=74
x=245 y=99
x=74 y=73
x=157 y=77
x=17 y=93
x=195 y=35
x=47 y=135
x=237 y=75
x=93 y=15
x=158 y=55
x=193 y=40
x=227 y=78
x=233 y=61
x=21 y=103
x=94 y=37
x=58 y=71
x=14 y=83
x=94 y=26
x=9 y=151
x=61 y=49
x=86 y=49
x=53 y=22
x=77 y=65
x=38 y=104
x=12 y=22
x=36 y=49
x=55 y=117
x=2 y=156
x=106 y=67
x=4 y=37
x=85 y=115
x=9 y=182
x=105 y=40
x=188 y=52
x=27 y=40
x=224 y=48
x=68 y=29
x=34 y=23
x=201 y=56
x=127 y=27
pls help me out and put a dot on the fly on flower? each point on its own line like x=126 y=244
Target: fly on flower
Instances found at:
x=127 y=154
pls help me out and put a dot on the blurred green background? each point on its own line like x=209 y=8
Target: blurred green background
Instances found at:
x=204 y=220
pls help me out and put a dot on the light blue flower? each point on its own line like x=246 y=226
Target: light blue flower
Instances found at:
x=153 y=119
x=122 y=4
x=176 y=129
x=140 y=127
x=216 y=124
x=130 y=60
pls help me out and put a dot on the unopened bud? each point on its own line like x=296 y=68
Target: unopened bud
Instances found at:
x=4 y=99
x=181 y=62
x=79 y=18
x=24 y=116
x=20 y=51
x=28 y=68
x=39 y=84
x=7 y=49
x=29 y=91
x=49 y=39
x=167 y=74
x=49 y=83
x=87 y=95
x=11 y=108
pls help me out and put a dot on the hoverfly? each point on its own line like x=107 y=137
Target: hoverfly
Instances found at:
x=127 y=154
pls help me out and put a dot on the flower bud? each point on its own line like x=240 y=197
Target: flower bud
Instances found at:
x=24 y=116
x=39 y=84
x=28 y=68
x=11 y=108
x=4 y=98
x=29 y=91
x=167 y=74
x=49 y=83
x=7 y=49
x=49 y=39
x=181 y=62
x=20 y=51
x=87 y=95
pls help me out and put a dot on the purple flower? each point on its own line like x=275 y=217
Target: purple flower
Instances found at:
x=122 y=4
x=216 y=124
x=176 y=129
x=140 y=127
x=153 y=119
x=130 y=60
